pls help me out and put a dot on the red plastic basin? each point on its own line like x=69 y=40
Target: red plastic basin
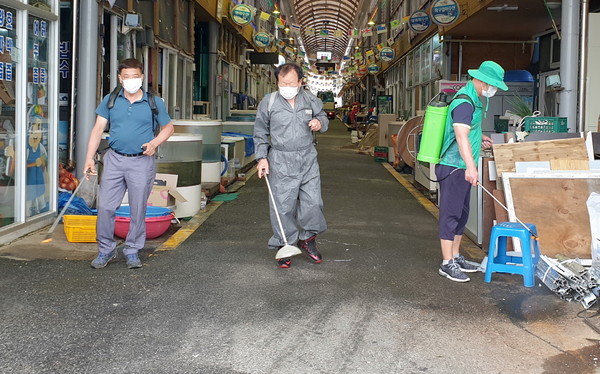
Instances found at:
x=155 y=226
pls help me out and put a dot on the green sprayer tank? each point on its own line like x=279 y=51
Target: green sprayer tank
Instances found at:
x=433 y=132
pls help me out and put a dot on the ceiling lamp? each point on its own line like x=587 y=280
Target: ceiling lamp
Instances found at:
x=371 y=22
x=276 y=12
x=286 y=29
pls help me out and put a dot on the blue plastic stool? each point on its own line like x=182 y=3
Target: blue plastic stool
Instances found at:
x=500 y=262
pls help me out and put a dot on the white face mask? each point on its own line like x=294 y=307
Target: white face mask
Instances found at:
x=289 y=93
x=132 y=85
x=491 y=91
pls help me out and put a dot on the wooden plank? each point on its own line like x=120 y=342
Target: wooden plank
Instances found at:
x=488 y=204
x=506 y=155
x=211 y=188
x=557 y=206
x=563 y=164
x=501 y=213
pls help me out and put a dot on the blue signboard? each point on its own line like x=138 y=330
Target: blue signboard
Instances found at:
x=444 y=12
x=386 y=54
x=419 y=21
x=262 y=39
x=241 y=14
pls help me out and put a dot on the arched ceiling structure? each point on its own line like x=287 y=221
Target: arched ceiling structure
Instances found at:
x=330 y=15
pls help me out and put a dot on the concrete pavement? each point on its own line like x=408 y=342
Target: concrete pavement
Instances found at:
x=218 y=303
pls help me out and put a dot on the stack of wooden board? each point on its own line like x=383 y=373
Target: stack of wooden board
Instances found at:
x=553 y=200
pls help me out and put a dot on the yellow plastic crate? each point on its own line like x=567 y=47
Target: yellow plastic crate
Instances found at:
x=80 y=229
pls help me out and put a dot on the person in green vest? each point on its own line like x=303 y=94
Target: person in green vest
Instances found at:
x=457 y=169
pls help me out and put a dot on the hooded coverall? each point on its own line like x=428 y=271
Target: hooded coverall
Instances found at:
x=282 y=135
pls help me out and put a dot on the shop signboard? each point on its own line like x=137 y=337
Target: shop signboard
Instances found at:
x=386 y=54
x=262 y=39
x=419 y=21
x=241 y=14
x=444 y=12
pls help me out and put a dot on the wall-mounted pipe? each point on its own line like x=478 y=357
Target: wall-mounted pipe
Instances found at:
x=583 y=39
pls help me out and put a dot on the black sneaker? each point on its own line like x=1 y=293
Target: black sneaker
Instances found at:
x=452 y=271
x=309 y=246
x=284 y=263
x=464 y=266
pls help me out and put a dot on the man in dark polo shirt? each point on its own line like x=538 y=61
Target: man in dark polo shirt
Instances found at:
x=457 y=169
x=129 y=162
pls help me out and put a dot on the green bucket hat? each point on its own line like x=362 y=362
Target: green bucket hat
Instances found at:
x=491 y=73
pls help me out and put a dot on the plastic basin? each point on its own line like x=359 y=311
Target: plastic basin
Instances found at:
x=151 y=211
x=155 y=226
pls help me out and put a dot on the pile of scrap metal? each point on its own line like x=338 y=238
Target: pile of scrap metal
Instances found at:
x=569 y=279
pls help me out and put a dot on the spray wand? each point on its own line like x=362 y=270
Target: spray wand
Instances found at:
x=505 y=208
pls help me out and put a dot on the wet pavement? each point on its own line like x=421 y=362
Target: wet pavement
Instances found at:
x=218 y=303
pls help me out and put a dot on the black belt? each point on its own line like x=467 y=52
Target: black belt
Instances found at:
x=127 y=154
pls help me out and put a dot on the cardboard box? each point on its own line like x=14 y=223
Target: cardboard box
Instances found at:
x=164 y=192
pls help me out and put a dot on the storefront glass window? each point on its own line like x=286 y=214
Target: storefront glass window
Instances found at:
x=8 y=64
x=426 y=61
x=417 y=62
x=188 y=79
x=437 y=57
x=409 y=69
x=36 y=177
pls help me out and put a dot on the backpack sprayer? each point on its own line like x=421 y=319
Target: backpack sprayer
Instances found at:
x=432 y=136
x=434 y=124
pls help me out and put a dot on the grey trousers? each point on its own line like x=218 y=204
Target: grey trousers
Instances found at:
x=120 y=173
x=296 y=183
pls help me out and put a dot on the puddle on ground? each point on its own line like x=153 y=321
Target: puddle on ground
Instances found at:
x=530 y=305
x=581 y=361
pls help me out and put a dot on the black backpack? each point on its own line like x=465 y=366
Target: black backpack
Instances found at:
x=151 y=102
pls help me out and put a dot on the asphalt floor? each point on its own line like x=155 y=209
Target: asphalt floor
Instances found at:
x=210 y=299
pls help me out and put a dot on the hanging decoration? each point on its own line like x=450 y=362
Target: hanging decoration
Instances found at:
x=381 y=29
x=279 y=23
x=373 y=69
x=265 y=16
x=394 y=24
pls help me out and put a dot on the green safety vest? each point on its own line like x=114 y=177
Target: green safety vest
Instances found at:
x=450 y=154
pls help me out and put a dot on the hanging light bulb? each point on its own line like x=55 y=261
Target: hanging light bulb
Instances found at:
x=286 y=29
x=276 y=11
x=371 y=22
